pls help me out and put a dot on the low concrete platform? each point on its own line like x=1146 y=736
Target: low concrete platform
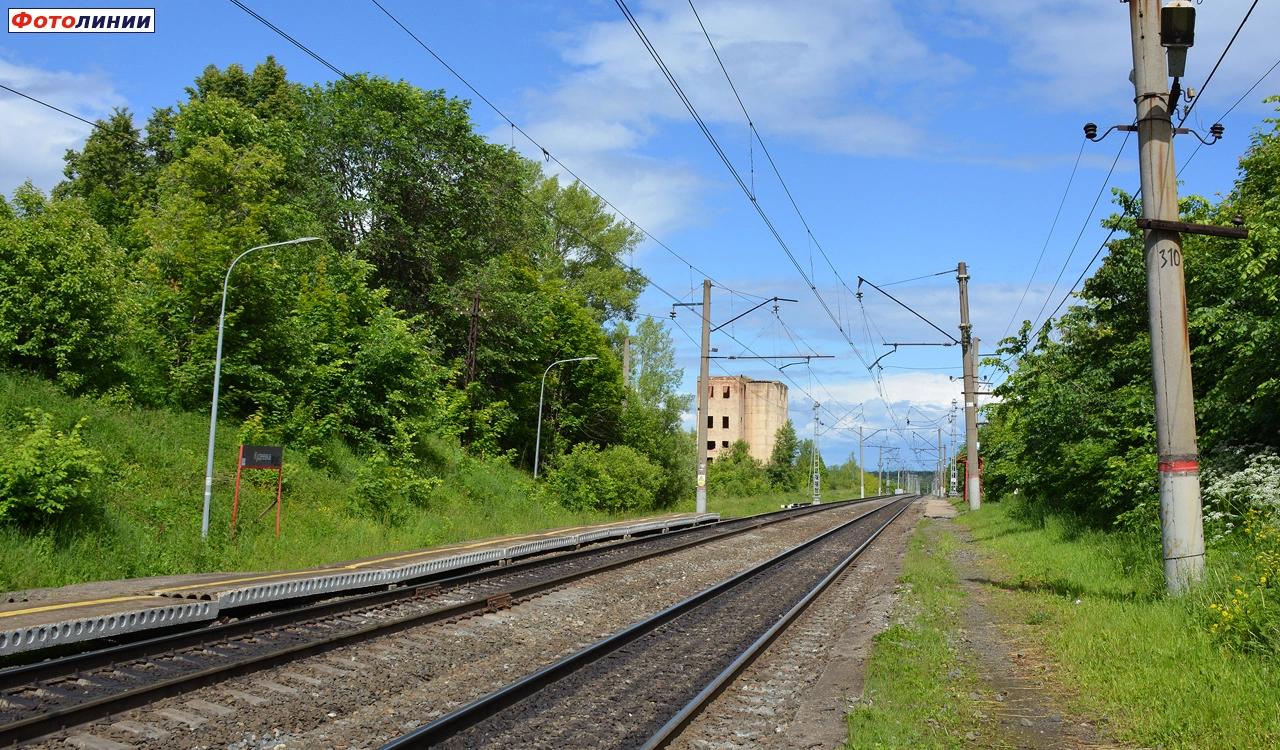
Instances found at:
x=43 y=618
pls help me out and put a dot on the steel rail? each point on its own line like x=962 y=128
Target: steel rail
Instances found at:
x=74 y=663
x=462 y=719
x=40 y=674
x=690 y=710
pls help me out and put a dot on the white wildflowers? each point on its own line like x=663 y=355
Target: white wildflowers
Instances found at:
x=1228 y=496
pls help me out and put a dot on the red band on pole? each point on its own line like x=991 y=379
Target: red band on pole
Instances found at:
x=1180 y=466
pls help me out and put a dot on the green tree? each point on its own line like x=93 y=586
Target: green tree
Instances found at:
x=402 y=180
x=654 y=372
x=587 y=249
x=60 y=291
x=651 y=417
x=782 y=461
x=111 y=174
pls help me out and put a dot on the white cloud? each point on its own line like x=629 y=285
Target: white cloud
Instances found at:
x=927 y=391
x=651 y=192
x=825 y=74
x=1078 y=54
x=34 y=138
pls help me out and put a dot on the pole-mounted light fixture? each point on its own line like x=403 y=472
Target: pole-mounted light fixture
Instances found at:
x=537 y=444
x=1177 y=34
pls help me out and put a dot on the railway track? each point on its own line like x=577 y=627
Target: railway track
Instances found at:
x=639 y=687
x=46 y=697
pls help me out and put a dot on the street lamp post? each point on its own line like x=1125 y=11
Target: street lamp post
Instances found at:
x=217 y=373
x=537 y=443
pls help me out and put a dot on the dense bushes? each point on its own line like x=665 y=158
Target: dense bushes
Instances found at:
x=614 y=479
x=388 y=492
x=736 y=474
x=45 y=473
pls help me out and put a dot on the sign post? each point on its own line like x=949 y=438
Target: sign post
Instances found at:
x=259 y=457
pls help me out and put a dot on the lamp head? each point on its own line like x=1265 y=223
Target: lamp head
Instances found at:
x=1177 y=34
x=1178 y=24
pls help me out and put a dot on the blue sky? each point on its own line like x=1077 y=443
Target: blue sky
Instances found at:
x=912 y=135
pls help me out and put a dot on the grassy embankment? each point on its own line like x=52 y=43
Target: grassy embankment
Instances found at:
x=1143 y=665
x=149 y=501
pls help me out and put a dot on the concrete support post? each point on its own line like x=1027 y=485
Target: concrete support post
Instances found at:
x=704 y=393
x=970 y=391
x=1181 y=523
x=880 y=470
x=817 y=459
x=942 y=461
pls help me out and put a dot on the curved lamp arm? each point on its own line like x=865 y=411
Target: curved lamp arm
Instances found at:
x=537 y=443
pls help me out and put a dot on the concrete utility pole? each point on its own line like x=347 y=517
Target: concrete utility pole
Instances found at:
x=952 y=453
x=880 y=470
x=704 y=393
x=1181 y=525
x=862 y=468
x=972 y=482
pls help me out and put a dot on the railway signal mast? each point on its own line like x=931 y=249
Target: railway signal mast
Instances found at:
x=816 y=458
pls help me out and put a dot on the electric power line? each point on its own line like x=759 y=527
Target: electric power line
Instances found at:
x=543 y=149
x=755 y=133
x=1183 y=119
x=1231 y=109
x=1052 y=226
x=733 y=171
x=748 y=192
x=1084 y=226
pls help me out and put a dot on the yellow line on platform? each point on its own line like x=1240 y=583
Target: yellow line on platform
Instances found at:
x=69 y=605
